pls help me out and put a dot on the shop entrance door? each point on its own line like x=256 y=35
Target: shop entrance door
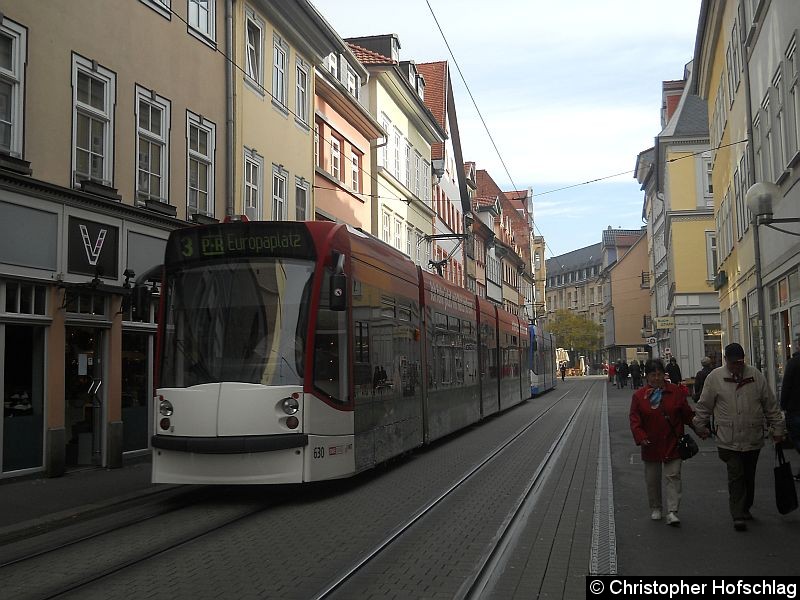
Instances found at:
x=84 y=392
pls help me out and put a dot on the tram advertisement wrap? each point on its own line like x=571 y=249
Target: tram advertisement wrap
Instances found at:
x=680 y=588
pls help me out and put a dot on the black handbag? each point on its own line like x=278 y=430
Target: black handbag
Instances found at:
x=687 y=446
x=785 y=491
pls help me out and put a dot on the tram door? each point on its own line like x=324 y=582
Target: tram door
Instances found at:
x=83 y=393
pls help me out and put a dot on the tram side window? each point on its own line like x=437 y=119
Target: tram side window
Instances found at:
x=361 y=367
x=330 y=348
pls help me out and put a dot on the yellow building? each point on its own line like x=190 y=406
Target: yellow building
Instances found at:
x=746 y=70
x=678 y=208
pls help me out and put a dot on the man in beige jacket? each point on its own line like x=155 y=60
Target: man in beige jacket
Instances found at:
x=739 y=399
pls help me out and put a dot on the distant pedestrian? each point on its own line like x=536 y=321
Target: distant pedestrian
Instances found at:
x=790 y=398
x=563 y=371
x=658 y=412
x=739 y=399
x=636 y=374
x=622 y=370
x=612 y=372
x=700 y=377
x=674 y=371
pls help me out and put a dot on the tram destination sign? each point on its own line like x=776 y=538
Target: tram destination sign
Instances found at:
x=240 y=240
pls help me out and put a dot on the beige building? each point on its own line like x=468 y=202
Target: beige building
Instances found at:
x=626 y=296
x=104 y=154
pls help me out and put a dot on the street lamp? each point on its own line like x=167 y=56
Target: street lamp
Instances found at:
x=759 y=199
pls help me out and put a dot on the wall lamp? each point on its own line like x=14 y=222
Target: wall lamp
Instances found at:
x=759 y=198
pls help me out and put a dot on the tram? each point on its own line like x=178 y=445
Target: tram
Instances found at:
x=543 y=366
x=292 y=352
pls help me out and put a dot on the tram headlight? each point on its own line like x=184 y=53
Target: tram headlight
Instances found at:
x=165 y=407
x=290 y=405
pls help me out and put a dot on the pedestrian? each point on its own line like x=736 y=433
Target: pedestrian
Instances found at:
x=700 y=377
x=612 y=372
x=636 y=374
x=674 y=371
x=739 y=399
x=790 y=398
x=563 y=371
x=658 y=413
x=622 y=370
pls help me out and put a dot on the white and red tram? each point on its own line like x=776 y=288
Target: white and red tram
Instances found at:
x=291 y=352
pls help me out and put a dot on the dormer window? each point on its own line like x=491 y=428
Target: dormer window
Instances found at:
x=412 y=75
x=395 y=48
x=421 y=86
x=353 y=82
x=332 y=64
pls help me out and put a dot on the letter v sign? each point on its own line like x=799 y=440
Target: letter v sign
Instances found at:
x=93 y=254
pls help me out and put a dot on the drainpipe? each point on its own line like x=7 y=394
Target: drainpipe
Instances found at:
x=229 y=121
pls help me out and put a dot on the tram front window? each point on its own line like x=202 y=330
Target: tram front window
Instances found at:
x=242 y=321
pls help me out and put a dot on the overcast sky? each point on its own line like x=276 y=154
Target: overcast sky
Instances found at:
x=570 y=91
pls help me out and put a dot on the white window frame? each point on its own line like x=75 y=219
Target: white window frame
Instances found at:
x=420 y=237
x=254 y=49
x=386 y=123
x=160 y=103
x=162 y=7
x=280 y=180
x=426 y=186
x=409 y=240
x=194 y=155
x=386 y=228
x=253 y=182
x=317 y=157
x=280 y=75
x=409 y=173
x=105 y=116
x=336 y=158
x=301 y=91
x=15 y=79
x=202 y=21
x=398 y=233
x=396 y=138
x=332 y=64
x=301 y=186
x=417 y=175
x=353 y=82
x=793 y=91
x=711 y=255
x=355 y=170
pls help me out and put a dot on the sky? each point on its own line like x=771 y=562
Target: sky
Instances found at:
x=570 y=91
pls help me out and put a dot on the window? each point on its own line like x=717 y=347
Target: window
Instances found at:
x=201 y=17
x=152 y=145
x=160 y=6
x=317 y=158
x=767 y=155
x=386 y=227
x=778 y=122
x=13 y=50
x=24 y=298
x=253 y=184
x=409 y=239
x=200 y=145
x=352 y=82
x=711 y=254
x=386 y=124
x=279 y=178
x=426 y=182
x=417 y=173
x=301 y=199
x=301 y=96
x=332 y=63
x=420 y=238
x=93 y=121
x=279 y=62
x=709 y=184
x=255 y=48
x=355 y=161
x=336 y=158
x=398 y=234
x=396 y=140
x=793 y=104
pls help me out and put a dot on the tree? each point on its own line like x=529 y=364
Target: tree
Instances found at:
x=575 y=331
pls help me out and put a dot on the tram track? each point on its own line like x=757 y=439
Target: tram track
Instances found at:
x=90 y=581
x=476 y=584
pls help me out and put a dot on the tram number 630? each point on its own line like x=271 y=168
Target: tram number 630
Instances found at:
x=319 y=452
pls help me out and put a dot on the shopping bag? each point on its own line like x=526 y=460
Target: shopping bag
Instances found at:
x=785 y=491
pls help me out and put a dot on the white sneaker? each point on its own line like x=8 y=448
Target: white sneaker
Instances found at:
x=656 y=514
x=672 y=519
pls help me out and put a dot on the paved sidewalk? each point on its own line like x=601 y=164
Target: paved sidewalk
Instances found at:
x=33 y=502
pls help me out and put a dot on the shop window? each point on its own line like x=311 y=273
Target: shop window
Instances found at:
x=84 y=303
x=25 y=298
x=135 y=389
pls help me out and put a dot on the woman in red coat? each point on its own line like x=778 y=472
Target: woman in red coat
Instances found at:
x=654 y=408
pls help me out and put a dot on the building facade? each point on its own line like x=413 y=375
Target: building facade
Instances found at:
x=746 y=70
x=103 y=156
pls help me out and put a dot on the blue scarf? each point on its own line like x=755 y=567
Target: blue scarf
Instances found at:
x=655 y=397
